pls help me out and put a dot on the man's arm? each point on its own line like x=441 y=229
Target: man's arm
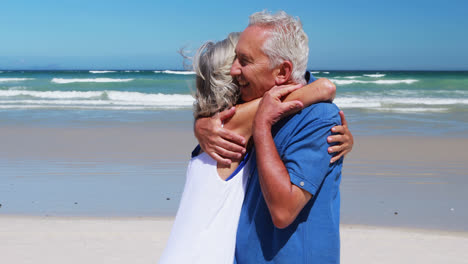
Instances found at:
x=224 y=145
x=319 y=91
x=284 y=199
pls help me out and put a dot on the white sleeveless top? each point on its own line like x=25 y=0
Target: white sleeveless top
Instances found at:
x=205 y=226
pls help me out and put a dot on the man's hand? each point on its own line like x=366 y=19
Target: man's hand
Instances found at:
x=221 y=144
x=271 y=108
x=344 y=139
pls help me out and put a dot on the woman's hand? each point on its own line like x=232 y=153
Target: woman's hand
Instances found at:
x=221 y=144
x=344 y=140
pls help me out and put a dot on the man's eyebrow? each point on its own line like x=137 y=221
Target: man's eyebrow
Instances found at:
x=243 y=56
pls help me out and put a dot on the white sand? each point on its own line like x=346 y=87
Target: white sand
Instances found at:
x=141 y=240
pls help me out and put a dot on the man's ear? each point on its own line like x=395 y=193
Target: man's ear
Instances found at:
x=283 y=73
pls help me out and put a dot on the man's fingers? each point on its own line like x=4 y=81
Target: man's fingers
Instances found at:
x=283 y=91
x=227 y=154
x=232 y=137
x=232 y=146
x=220 y=159
x=343 y=119
x=226 y=114
x=291 y=107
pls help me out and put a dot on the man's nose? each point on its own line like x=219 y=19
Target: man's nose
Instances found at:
x=235 y=68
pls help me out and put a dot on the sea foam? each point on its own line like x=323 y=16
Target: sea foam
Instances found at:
x=413 y=110
x=345 y=82
x=15 y=79
x=175 y=72
x=95 y=98
x=96 y=80
x=374 y=75
x=395 y=102
x=50 y=94
x=101 y=71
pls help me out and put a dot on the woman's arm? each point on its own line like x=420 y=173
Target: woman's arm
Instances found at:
x=225 y=145
x=318 y=91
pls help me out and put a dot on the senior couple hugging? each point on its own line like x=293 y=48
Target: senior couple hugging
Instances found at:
x=263 y=185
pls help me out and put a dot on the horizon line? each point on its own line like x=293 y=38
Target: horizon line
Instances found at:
x=335 y=70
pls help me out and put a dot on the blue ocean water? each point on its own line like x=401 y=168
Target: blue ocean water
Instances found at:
x=374 y=102
x=60 y=183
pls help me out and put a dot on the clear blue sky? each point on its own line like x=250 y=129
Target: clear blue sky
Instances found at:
x=144 y=34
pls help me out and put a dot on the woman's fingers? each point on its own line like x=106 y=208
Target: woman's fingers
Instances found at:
x=337 y=157
x=336 y=138
x=335 y=149
x=343 y=119
x=339 y=129
x=343 y=138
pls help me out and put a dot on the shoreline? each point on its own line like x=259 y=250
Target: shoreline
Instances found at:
x=170 y=220
x=140 y=171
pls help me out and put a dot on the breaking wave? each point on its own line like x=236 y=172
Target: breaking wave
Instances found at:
x=101 y=71
x=176 y=72
x=89 y=80
x=345 y=82
x=15 y=79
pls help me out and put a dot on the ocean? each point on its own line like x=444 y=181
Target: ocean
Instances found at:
x=117 y=143
x=374 y=102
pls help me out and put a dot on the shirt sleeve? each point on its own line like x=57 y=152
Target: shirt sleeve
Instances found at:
x=306 y=156
x=311 y=78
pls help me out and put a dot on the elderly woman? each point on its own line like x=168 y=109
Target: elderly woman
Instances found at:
x=205 y=227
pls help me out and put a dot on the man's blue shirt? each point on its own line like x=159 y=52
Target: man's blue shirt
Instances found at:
x=301 y=141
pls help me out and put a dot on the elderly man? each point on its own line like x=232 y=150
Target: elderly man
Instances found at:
x=291 y=209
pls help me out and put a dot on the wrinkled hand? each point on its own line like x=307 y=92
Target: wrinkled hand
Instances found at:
x=344 y=138
x=221 y=144
x=271 y=108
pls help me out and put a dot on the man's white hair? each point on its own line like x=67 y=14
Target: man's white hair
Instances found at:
x=287 y=41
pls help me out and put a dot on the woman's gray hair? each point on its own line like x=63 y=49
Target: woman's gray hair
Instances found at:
x=287 y=41
x=216 y=90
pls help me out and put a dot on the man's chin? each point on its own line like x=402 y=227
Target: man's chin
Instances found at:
x=246 y=97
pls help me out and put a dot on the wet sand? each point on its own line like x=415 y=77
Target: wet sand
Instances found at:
x=96 y=195
x=415 y=182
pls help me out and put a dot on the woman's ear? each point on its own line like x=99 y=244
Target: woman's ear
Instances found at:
x=283 y=73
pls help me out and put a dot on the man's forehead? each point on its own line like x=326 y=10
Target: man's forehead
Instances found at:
x=252 y=38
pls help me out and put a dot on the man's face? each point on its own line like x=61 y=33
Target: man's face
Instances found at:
x=251 y=68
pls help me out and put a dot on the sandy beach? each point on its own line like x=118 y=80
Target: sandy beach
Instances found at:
x=97 y=194
x=141 y=240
